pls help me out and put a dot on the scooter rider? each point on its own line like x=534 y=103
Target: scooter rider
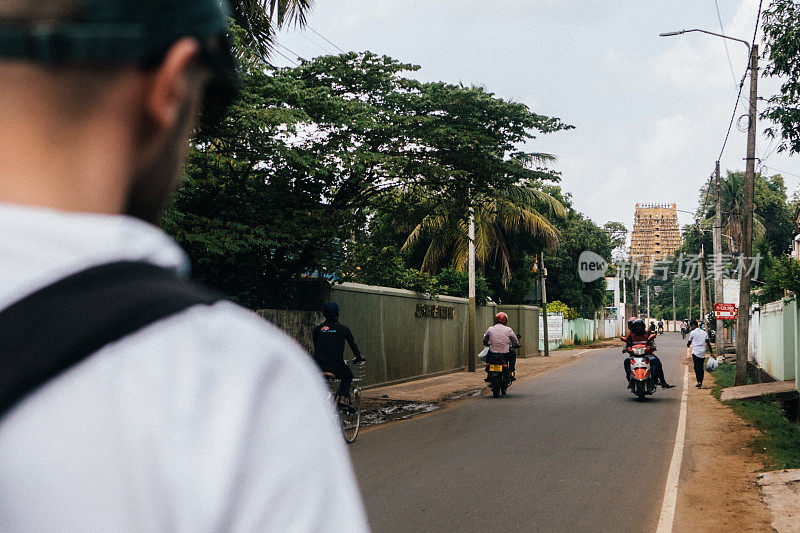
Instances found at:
x=501 y=339
x=636 y=336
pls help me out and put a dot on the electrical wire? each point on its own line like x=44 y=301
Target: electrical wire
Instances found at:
x=725 y=41
x=741 y=84
x=326 y=39
x=287 y=58
x=315 y=43
x=298 y=56
x=736 y=105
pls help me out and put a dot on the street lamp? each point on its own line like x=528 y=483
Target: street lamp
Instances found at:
x=743 y=322
x=681 y=32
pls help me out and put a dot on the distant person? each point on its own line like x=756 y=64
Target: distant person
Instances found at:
x=652 y=328
x=660 y=327
x=684 y=328
x=329 y=338
x=698 y=342
x=130 y=398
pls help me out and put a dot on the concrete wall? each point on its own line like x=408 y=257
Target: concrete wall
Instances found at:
x=524 y=319
x=775 y=338
x=400 y=342
x=579 y=331
x=405 y=335
x=298 y=324
x=771 y=339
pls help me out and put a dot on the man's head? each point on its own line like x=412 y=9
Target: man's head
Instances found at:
x=693 y=324
x=102 y=96
x=330 y=310
x=638 y=327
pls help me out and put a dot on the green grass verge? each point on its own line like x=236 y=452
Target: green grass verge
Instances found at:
x=779 y=439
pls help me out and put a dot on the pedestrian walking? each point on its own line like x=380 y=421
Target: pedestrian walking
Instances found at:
x=130 y=398
x=698 y=342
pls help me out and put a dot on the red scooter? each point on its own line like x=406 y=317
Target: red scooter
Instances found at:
x=642 y=382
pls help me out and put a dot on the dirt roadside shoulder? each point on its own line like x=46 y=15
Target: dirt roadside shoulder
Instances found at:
x=718 y=490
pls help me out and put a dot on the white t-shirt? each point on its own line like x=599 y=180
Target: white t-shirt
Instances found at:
x=209 y=420
x=698 y=339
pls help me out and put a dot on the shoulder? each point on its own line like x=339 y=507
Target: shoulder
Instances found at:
x=186 y=405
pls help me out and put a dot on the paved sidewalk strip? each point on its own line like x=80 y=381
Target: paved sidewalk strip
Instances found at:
x=781 y=492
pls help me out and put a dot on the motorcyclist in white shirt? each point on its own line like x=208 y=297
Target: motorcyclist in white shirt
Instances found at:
x=208 y=420
x=501 y=340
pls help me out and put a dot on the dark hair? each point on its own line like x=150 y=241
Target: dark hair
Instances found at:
x=693 y=323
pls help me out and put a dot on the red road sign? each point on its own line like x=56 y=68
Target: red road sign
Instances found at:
x=725 y=311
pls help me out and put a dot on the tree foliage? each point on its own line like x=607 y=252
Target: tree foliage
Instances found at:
x=578 y=234
x=261 y=18
x=286 y=185
x=782 y=39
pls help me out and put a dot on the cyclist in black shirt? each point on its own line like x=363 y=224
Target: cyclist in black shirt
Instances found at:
x=329 y=338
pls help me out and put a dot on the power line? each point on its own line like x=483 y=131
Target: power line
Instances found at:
x=725 y=41
x=781 y=171
x=289 y=50
x=287 y=58
x=315 y=43
x=326 y=39
x=738 y=97
x=741 y=84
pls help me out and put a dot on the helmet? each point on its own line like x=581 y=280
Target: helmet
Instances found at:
x=638 y=326
x=330 y=310
x=630 y=323
x=500 y=318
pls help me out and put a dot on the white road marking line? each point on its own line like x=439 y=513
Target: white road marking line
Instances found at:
x=667 y=518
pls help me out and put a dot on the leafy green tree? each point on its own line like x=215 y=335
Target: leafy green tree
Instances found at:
x=285 y=186
x=578 y=234
x=617 y=233
x=782 y=39
x=773 y=214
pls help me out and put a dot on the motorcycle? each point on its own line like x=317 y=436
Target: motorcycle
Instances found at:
x=642 y=382
x=498 y=372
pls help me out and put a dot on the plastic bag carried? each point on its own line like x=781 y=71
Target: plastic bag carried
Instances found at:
x=712 y=364
x=482 y=355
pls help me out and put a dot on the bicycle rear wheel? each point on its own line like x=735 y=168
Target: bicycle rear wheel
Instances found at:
x=350 y=417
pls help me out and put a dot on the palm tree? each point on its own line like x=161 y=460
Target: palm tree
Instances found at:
x=732 y=203
x=260 y=19
x=518 y=209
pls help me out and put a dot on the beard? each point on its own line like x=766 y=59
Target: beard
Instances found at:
x=155 y=178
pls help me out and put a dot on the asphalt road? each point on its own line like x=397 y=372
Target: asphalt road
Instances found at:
x=570 y=450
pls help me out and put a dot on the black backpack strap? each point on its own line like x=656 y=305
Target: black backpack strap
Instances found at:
x=58 y=326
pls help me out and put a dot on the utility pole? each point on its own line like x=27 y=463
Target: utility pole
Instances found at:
x=674 y=319
x=743 y=322
x=717 y=236
x=690 y=300
x=472 y=311
x=625 y=316
x=544 y=307
x=703 y=301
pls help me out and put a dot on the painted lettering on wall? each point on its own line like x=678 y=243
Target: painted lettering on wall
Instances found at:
x=435 y=311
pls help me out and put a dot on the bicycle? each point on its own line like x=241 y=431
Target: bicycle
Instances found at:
x=348 y=409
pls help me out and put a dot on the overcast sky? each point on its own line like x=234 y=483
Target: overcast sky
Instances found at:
x=650 y=112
